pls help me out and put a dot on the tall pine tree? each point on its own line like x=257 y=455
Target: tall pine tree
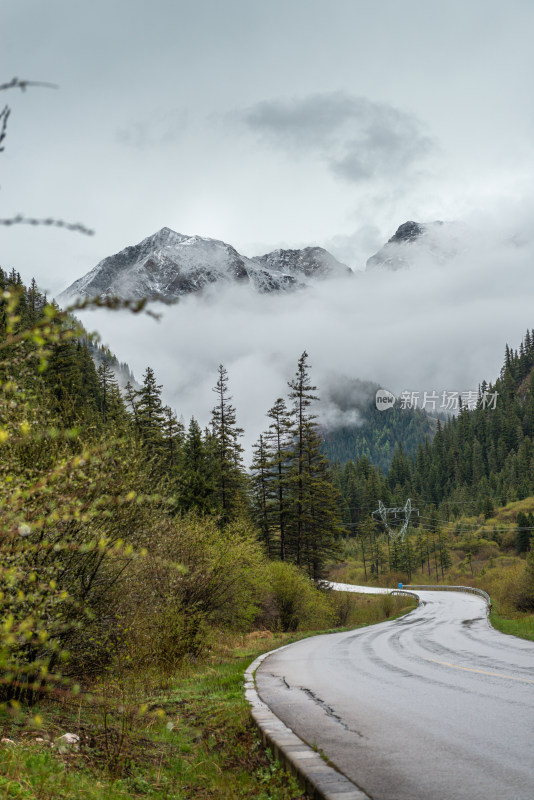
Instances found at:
x=227 y=451
x=313 y=509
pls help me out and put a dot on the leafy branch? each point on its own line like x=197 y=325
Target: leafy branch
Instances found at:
x=19 y=219
x=16 y=83
x=4 y=116
x=58 y=223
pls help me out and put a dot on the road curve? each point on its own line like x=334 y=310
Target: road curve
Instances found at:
x=435 y=705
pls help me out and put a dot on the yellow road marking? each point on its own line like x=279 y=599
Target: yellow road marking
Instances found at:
x=481 y=671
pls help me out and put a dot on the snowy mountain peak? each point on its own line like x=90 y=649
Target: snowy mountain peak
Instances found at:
x=412 y=238
x=169 y=265
x=408 y=232
x=165 y=237
x=310 y=262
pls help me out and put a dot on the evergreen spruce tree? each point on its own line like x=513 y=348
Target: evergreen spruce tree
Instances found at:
x=524 y=532
x=149 y=412
x=262 y=492
x=106 y=379
x=322 y=522
x=399 y=475
x=313 y=509
x=196 y=477
x=173 y=435
x=110 y=402
x=35 y=302
x=89 y=378
x=227 y=451
x=130 y=395
x=72 y=379
x=278 y=442
x=302 y=396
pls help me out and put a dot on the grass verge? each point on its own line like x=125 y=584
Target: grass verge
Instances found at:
x=520 y=625
x=196 y=738
x=202 y=744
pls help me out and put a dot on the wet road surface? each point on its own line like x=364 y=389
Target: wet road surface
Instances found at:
x=435 y=705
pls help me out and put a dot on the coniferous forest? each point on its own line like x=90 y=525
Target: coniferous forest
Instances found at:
x=376 y=437
x=471 y=487
x=476 y=461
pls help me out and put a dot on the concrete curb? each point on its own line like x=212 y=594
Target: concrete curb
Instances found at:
x=320 y=780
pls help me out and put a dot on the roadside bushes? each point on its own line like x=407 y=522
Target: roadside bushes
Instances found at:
x=194 y=577
x=292 y=602
x=64 y=524
x=353 y=609
x=524 y=599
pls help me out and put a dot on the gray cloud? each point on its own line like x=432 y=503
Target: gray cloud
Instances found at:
x=355 y=248
x=357 y=138
x=439 y=325
x=75 y=153
x=101 y=150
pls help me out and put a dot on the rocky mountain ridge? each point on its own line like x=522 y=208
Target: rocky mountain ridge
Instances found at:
x=437 y=241
x=169 y=265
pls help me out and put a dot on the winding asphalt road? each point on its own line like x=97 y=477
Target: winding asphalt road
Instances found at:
x=435 y=705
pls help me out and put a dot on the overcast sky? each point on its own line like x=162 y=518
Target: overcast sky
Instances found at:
x=263 y=124
x=281 y=123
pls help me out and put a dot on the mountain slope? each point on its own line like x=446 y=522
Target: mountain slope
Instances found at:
x=418 y=241
x=484 y=455
x=353 y=426
x=169 y=265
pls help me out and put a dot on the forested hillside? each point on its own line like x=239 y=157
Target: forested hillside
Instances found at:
x=376 y=437
x=481 y=458
x=471 y=490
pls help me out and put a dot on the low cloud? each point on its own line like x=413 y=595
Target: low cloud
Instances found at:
x=354 y=248
x=440 y=325
x=345 y=401
x=357 y=138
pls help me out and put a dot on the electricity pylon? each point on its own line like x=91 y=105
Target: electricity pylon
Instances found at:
x=406 y=511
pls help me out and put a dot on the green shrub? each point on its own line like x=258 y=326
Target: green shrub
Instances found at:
x=524 y=597
x=387 y=604
x=193 y=578
x=293 y=602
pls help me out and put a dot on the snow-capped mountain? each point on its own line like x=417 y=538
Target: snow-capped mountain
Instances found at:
x=420 y=241
x=168 y=265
